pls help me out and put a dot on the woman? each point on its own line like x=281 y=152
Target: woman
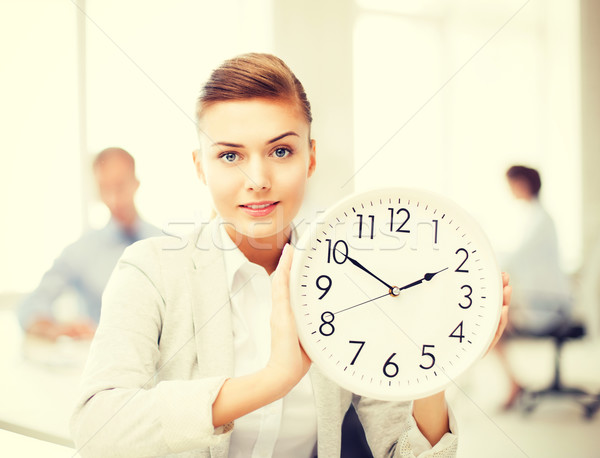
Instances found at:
x=542 y=299
x=184 y=359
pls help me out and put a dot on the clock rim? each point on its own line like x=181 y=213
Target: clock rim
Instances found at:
x=295 y=275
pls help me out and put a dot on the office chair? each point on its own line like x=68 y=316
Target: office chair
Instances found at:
x=590 y=402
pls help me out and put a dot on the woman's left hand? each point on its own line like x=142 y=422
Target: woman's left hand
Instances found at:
x=506 y=292
x=431 y=412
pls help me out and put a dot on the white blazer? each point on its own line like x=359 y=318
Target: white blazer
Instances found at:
x=163 y=349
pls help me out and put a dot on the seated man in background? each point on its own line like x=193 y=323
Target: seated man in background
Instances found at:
x=541 y=299
x=86 y=265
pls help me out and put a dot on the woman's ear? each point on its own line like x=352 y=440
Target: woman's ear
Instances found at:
x=196 y=156
x=312 y=159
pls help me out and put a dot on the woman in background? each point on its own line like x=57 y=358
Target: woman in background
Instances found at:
x=541 y=299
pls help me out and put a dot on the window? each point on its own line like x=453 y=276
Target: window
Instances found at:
x=448 y=95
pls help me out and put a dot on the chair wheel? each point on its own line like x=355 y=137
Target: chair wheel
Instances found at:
x=590 y=410
x=529 y=408
x=527 y=404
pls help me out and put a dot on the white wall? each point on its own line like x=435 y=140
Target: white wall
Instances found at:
x=39 y=173
x=367 y=68
x=315 y=39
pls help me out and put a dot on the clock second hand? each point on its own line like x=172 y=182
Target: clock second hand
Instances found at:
x=370 y=300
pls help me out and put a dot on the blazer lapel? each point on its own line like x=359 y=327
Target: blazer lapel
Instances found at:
x=211 y=308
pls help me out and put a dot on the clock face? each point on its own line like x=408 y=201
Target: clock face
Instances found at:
x=396 y=292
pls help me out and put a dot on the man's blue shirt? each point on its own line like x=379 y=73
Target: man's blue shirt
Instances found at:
x=84 y=266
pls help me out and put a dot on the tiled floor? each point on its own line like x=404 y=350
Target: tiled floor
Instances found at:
x=556 y=428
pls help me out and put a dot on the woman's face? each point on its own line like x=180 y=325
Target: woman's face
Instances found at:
x=520 y=189
x=255 y=157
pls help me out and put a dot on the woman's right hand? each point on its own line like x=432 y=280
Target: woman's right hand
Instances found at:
x=286 y=367
x=288 y=362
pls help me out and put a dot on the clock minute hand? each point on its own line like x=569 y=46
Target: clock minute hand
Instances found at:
x=428 y=276
x=360 y=266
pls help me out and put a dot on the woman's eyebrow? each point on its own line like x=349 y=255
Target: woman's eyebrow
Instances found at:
x=230 y=145
x=279 y=137
x=273 y=140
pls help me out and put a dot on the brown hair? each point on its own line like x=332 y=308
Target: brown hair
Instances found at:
x=253 y=75
x=527 y=175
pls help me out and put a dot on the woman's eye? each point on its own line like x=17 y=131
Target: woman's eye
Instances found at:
x=281 y=152
x=229 y=157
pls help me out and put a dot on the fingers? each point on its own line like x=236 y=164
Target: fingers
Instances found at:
x=506 y=293
x=305 y=358
x=506 y=290
x=288 y=359
x=501 y=327
x=285 y=261
x=281 y=279
x=502 y=324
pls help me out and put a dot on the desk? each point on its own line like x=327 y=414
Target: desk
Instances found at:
x=39 y=383
x=16 y=446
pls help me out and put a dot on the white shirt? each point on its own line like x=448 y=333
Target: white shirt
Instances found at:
x=284 y=428
x=541 y=294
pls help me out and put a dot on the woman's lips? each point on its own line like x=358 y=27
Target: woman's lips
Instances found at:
x=258 y=209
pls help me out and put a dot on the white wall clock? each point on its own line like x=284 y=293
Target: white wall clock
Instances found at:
x=396 y=292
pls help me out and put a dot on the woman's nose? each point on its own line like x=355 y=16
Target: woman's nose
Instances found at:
x=257 y=175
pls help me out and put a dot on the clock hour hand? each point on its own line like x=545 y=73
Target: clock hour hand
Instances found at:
x=360 y=266
x=426 y=277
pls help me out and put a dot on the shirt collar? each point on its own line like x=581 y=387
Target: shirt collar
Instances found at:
x=234 y=259
x=236 y=264
x=137 y=233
